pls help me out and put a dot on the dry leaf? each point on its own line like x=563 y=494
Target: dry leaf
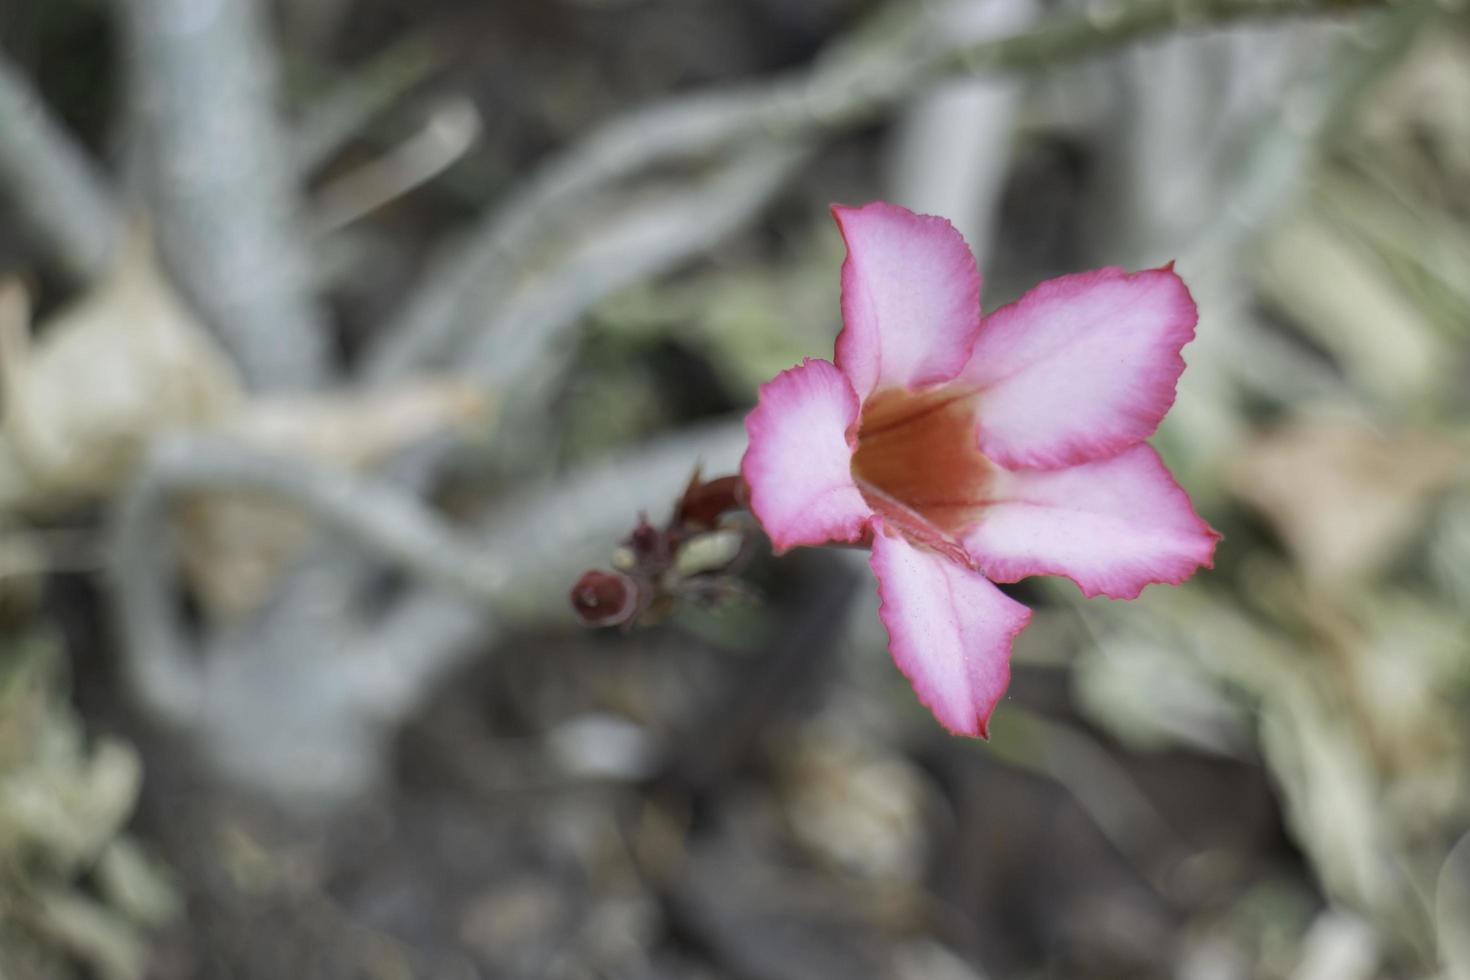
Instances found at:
x=128 y=363
x=1343 y=497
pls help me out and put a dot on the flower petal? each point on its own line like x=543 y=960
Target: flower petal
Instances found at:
x=910 y=298
x=1080 y=367
x=949 y=629
x=1112 y=526
x=799 y=461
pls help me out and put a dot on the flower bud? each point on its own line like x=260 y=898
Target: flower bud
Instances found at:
x=707 y=553
x=605 y=598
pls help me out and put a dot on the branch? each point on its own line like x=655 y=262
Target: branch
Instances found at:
x=648 y=240
x=547 y=533
x=52 y=183
x=515 y=566
x=452 y=128
x=950 y=149
x=392 y=524
x=326 y=125
x=222 y=181
x=852 y=87
x=395 y=526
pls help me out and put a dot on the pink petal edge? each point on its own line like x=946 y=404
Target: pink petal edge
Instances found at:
x=1112 y=526
x=949 y=629
x=799 y=460
x=910 y=298
x=1080 y=367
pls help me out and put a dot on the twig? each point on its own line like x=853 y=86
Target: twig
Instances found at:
x=450 y=131
x=646 y=240
x=951 y=147
x=612 y=255
x=1282 y=143
x=840 y=93
x=40 y=551
x=222 y=181
x=52 y=183
x=515 y=565
x=392 y=524
x=328 y=123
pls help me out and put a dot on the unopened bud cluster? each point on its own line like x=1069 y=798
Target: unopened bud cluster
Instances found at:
x=695 y=556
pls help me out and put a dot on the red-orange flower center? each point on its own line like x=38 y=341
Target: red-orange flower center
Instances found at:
x=918 y=462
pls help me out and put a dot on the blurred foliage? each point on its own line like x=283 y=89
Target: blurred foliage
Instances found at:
x=758 y=789
x=75 y=890
x=1334 y=640
x=143 y=359
x=1341 y=629
x=148 y=369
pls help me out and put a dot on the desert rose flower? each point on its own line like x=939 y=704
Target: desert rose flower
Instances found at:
x=967 y=450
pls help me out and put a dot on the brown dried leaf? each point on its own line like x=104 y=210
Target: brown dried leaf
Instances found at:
x=1344 y=497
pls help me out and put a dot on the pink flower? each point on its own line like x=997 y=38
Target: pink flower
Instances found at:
x=968 y=450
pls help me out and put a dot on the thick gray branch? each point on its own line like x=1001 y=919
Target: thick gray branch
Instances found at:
x=51 y=183
x=222 y=181
x=281 y=709
x=395 y=526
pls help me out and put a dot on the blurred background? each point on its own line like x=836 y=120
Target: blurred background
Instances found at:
x=337 y=337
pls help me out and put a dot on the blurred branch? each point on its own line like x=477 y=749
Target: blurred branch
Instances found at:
x=392 y=524
x=223 y=182
x=1272 y=168
x=1452 y=910
x=452 y=129
x=1102 y=786
x=613 y=254
x=51 y=182
x=641 y=241
x=950 y=149
x=1107 y=25
x=515 y=565
x=24 y=553
x=839 y=93
x=545 y=534
x=339 y=115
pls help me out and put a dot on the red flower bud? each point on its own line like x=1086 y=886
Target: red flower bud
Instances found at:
x=605 y=598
